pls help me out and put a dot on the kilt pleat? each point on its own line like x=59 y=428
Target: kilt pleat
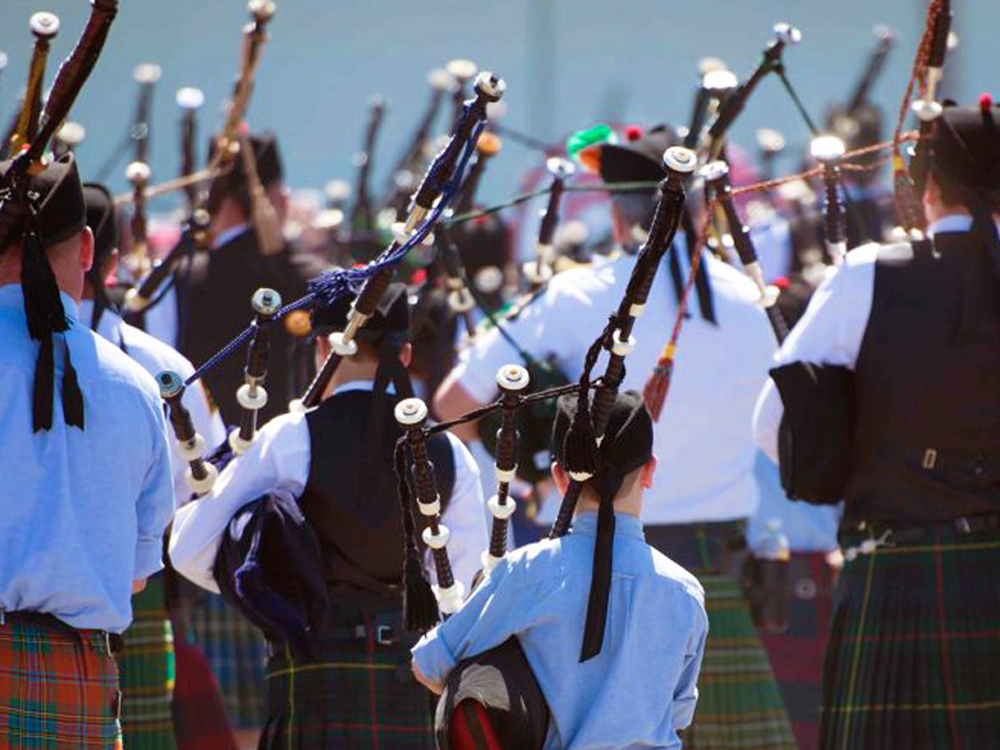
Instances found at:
x=236 y=652
x=796 y=654
x=58 y=690
x=352 y=696
x=739 y=704
x=146 y=669
x=912 y=660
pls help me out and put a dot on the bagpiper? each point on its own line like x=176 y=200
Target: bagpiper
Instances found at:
x=84 y=453
x=884 y=394
x=344 y=682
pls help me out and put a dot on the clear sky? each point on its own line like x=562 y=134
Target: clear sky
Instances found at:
x=567 y=63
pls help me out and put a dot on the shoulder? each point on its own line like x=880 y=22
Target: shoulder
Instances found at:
x=105 y=366
x=589 y=283
x=285 y=425
x=464 y=462
x=110 y=362
x=736 y=299
x=855 y=274
x=539 y=560
x=673 y=576
x=730 y=282
x=158 y=355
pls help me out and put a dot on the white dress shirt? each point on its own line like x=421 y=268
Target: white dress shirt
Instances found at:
x=155 y=357
x=278 y=461
x=833 y=327
x=703 y=439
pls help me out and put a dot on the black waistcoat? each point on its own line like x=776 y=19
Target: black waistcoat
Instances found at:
x=350 y=496
x=214 y=306
x=927 y=445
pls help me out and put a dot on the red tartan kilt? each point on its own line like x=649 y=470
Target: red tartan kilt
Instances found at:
x=796 y=655
x=58 y=689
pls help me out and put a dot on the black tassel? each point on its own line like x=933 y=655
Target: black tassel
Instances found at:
x=580 y=451
x=42 y=395
x=72 y=398
x=420 y=609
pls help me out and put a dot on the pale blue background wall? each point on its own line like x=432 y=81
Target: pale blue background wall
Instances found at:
x=327 y=56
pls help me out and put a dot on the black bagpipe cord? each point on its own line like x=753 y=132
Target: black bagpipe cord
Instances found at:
x=420 y=608
x=702 y=285
x=44 y=310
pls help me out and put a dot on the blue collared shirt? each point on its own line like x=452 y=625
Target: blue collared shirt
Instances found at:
x=82 y=512
x=641 y=688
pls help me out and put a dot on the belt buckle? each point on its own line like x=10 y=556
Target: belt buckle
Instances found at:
x=384 y=635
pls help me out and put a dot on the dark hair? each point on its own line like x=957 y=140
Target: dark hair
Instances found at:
x=636 y=208
x=953 y=193
x=228 y=186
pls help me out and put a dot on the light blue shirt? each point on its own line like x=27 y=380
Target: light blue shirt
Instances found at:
x=641 y=688
x=82 y=512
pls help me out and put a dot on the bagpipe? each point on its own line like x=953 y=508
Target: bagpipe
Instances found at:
x=228 y=148
x=427 y=206
x=70 y=78
x=44 y=27
x=368 y=284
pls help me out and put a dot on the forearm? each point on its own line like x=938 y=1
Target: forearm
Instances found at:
x=451 y=401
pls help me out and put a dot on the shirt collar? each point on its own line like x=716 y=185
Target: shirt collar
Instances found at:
x=109 y=317
x=952 y=223
x=360 y=385
x=12 y=296
x=228 y=235
x=625 y=525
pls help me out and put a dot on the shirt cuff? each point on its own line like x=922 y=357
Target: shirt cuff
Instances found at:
x=148 y=558
x=432 y=657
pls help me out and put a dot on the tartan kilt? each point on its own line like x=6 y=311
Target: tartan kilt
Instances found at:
x=796 y=654
x=200 y=720
x=355 y=695
x=236 y=652
x=58 y=689
x=913 y=660
x=739 y=703
x=146 y=672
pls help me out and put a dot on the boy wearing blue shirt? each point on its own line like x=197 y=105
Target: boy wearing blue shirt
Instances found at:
x=639 y=689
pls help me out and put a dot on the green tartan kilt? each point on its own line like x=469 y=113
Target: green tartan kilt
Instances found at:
x=237 y=652
x=913 y=659
x=739 y=702
x=146 y=671
x=355 y=695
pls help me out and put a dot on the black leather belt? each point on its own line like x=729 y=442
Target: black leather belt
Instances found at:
x=112 y=641
x=901 y=530
x=382 y=630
